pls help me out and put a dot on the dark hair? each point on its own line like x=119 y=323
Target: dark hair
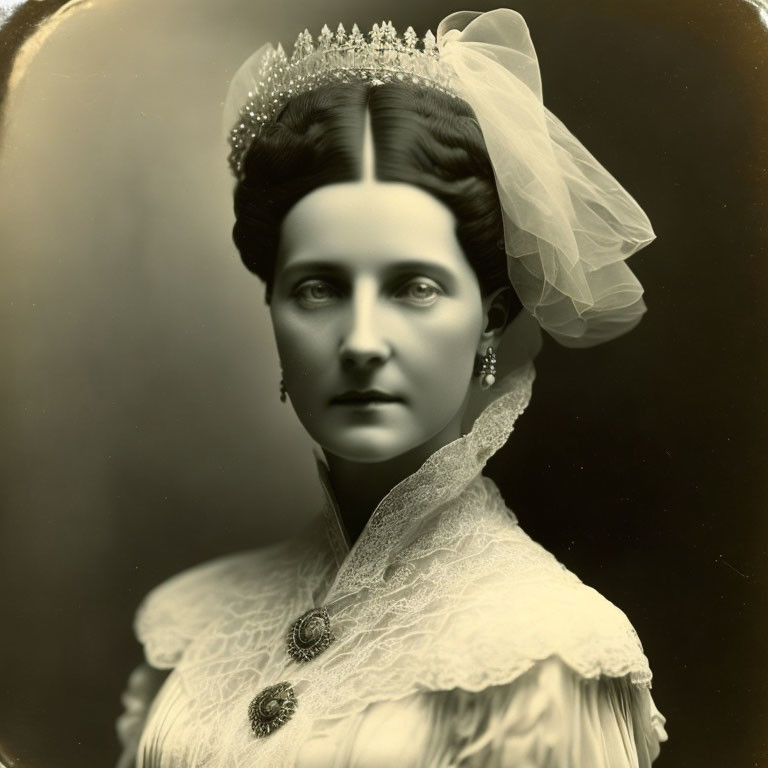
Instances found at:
x=421 y=136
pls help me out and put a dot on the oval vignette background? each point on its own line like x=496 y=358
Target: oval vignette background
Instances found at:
x=141 y=426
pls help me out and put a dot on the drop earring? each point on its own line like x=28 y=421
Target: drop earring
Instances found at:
x=283 y=390
x=488 y=369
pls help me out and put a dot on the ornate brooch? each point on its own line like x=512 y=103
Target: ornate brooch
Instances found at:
x=271 y=708
x=310 y=635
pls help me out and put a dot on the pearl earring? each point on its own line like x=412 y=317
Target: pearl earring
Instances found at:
x=488 y=369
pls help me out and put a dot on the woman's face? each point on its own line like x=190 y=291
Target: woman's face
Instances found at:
x=378 y=316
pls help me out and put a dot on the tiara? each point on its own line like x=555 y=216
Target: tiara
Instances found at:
x=341 y=58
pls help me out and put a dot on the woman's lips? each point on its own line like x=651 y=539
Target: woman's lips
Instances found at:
x=365 y=397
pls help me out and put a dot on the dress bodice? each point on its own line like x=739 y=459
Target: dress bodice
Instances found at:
x=449 y=624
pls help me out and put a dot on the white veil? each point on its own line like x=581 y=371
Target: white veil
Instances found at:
x=569 y=225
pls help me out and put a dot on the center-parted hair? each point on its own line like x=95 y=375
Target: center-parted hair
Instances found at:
x=420 y=136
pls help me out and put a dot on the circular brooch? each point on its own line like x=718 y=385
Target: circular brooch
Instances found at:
x=310 y=635
x=271 y=708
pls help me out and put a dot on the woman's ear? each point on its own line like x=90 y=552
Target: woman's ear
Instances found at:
x=496 y=310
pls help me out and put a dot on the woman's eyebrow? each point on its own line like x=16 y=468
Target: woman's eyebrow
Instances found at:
x=312 y=266
x=422 y=267
x=389 y=269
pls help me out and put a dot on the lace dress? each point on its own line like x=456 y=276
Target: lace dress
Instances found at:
x=444 y=637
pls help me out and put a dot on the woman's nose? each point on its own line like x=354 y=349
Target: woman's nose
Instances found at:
x=363 y=341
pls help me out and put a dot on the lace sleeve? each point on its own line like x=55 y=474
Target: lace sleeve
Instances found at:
x=141 y=689
x=551 y=717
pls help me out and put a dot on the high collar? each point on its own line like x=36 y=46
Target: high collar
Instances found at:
x=411 y=505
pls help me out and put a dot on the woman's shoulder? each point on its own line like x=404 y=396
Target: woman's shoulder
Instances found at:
x=180 y=608
x=533 y=638
x=532 y=607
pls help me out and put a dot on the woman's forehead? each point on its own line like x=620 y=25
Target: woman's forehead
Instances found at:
x=369 y=221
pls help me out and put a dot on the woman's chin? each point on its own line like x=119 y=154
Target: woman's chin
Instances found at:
x=367 y=446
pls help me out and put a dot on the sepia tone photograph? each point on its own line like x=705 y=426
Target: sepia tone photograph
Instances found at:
x=384 y=384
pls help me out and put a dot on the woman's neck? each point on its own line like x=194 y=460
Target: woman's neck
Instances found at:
x=360 y=486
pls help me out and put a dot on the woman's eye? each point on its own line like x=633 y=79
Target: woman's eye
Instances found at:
x=314 y=293
x=420 y=292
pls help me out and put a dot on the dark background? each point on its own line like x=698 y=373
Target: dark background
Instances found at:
x=134 y=441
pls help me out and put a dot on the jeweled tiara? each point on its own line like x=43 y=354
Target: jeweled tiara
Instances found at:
x=341 y=58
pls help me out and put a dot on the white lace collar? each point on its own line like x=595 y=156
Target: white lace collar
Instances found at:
x=441 y=478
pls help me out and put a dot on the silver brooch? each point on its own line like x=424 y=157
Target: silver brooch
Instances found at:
x=271 y=708
x=310 y=635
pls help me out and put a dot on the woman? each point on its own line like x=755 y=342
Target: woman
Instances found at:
x=391 y=198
